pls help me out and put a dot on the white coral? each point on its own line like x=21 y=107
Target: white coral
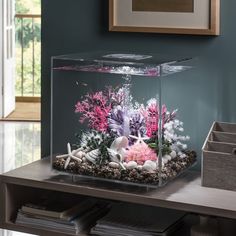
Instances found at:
x=175 y=139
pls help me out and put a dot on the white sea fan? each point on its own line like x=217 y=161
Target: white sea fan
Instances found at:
x=170 y=134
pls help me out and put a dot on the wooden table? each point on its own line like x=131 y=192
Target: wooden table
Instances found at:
x=184 y=193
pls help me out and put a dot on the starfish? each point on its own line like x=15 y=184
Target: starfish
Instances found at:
x=70 y=155
x=139 y=138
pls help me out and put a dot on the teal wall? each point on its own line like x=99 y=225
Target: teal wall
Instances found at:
x=209 y=90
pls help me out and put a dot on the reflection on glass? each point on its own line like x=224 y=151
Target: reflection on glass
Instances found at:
x=19 y=145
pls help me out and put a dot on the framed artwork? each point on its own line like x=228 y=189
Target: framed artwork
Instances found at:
x=165 y=16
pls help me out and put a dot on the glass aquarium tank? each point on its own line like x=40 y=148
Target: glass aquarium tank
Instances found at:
x=113 y=119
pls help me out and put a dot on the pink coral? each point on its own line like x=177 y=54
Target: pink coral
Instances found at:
x=151 y=115
x=152 y=119
x=140 y=152
x=95 y=108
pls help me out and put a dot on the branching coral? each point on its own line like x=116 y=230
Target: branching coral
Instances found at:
x=137 y=124
x=124 y=123
x=175 y=139
x=116 y=119
x=151 y=115
x=95 y=108
x=112 y=113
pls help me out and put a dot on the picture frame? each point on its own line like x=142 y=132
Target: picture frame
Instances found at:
x=203 y=20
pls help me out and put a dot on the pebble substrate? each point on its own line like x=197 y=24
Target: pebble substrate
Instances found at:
x=170 y=170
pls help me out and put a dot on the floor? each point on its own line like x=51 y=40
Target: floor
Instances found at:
x=26 y=111
x=19 y=145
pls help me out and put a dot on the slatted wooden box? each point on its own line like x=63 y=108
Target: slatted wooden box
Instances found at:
x=219 y=157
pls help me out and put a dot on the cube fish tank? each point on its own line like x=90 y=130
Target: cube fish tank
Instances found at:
x=111 y=118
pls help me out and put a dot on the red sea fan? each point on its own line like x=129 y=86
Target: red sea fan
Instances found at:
x=151 y=115
x=95 y=108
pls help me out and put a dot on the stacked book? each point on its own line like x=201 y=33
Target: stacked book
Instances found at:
x=138 y=220
x=66 y=217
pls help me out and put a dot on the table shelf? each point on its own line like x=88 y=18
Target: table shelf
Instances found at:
x=184 y=193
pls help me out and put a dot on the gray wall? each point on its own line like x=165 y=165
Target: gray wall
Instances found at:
x=82 y=25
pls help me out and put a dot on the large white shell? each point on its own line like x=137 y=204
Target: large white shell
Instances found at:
x=120 y=143
x=119 y=146
x=93 y=155
x=115 y=157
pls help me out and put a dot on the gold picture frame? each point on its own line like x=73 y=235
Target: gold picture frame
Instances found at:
x=123 y=19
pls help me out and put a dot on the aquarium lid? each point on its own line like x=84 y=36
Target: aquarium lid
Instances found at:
x=145 y=64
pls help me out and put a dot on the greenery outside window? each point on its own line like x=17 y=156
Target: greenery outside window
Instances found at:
x=28 y=48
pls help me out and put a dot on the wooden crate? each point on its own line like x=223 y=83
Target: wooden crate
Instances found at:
x=219 y=157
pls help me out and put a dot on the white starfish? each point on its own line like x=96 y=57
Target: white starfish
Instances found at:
x=139 y=138
x=70 y=155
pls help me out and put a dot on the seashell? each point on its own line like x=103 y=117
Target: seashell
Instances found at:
x=120 y=143
x=114 y=165
x=93 y=155
x=173 y=154
x=131 y=165
x=115 y=157
x=74 y=152
x=122 y=153
x=79 y=154
x=149 y=166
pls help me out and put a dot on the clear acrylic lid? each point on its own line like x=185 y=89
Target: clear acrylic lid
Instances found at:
x=123 y=63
